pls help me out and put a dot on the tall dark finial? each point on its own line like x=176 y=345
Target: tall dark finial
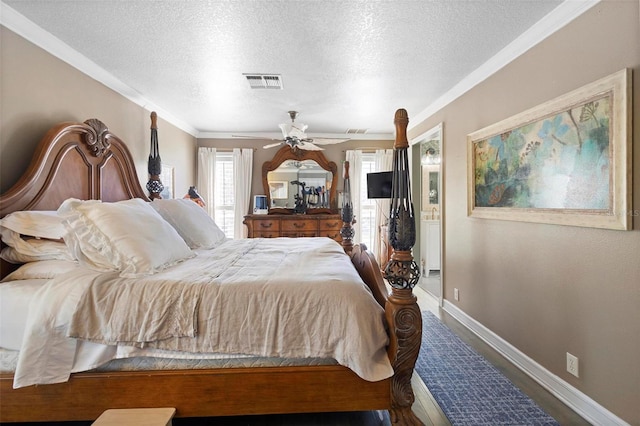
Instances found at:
x=347 y=232
x=154 y=165
x=401 y=271
x=402 y=311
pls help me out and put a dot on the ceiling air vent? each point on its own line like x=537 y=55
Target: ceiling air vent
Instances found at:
x=264 y=81
x=356 y=131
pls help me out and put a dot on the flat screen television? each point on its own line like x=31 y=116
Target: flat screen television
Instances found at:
x=379 y=184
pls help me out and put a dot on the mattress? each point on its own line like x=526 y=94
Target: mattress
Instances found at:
x=9 y=361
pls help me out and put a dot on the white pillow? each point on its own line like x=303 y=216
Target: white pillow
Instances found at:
x=52 y=249
x=45 y=269
x=12 y=255
x=191 y=221
x=42 y=224
x=128 y=236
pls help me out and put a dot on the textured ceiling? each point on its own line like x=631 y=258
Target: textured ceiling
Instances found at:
x=344 y=64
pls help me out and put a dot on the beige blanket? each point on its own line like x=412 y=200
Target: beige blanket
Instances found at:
x=282 y=297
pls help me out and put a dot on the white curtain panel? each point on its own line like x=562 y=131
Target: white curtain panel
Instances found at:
x=354 y=157
x=383 y=163
x=206 y=175
x=242 y=167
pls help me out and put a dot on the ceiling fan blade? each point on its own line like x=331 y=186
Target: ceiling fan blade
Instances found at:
x=327 y=141
x=308 y=146
x=255 y=137
x=271 y=145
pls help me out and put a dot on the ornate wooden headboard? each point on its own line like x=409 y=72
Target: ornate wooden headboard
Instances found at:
x=80 y=160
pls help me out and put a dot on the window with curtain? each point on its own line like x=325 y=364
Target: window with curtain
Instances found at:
x=224 y=193
x=367 y=216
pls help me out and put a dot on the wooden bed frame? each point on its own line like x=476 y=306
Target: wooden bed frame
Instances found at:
x=86 y=161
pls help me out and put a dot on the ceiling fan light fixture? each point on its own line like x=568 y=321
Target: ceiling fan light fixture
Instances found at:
x=264 y=81
x=293 y=130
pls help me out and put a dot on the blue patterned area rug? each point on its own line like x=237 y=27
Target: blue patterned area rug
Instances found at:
x=467 y=387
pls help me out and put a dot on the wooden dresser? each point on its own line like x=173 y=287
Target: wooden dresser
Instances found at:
x=284 y=225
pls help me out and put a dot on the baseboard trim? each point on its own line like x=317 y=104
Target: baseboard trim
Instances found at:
x=586 y=407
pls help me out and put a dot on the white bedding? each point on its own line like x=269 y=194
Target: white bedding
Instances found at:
x=14 y=306
x=331 y=306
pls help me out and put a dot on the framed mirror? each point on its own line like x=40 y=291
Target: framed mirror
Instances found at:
x=295 y=175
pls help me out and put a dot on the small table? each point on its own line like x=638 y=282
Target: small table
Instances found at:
x=136 y=417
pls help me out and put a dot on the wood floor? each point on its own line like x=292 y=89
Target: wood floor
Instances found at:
x=425 y=406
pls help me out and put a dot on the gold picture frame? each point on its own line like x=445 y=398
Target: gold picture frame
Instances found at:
x=566 y=162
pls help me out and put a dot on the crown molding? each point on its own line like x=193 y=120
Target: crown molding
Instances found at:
x=25 y=28
x=552 y=22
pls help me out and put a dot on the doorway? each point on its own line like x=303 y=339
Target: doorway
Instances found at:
x=428 y=174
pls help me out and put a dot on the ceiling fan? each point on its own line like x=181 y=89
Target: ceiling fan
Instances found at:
x=293 y=134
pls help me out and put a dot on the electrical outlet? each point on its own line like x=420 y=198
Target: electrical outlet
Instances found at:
x=572 y=364
x=456 y=294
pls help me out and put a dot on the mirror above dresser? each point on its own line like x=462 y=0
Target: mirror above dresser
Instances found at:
x=301 y=182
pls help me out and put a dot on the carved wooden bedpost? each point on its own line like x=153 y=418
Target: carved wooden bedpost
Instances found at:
x=154 y=165
x=402 y=273
x=347 y=213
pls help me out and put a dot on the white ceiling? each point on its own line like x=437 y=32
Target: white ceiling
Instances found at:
x=344 y=64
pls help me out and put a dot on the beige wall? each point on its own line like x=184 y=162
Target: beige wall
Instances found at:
x=550 y=289
x=38 y=90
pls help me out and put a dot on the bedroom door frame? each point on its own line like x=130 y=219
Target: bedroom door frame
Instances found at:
x=435 y=133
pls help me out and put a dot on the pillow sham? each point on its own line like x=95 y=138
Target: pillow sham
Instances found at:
x=128 y=236
x=52 y=249
x=191 y=221
x=45 y=269
x=42 y=224
x=12 y=255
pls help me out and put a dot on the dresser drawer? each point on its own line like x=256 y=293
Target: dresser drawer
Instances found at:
x=330 y=224
x=299 y=234
x=266 y=234
x=299 y=225
x=271 y=225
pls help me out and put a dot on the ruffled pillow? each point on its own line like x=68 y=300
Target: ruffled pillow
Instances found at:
x=191 y=221
x=127 y=236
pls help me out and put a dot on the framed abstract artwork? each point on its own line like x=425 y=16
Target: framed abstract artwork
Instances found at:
x=567 y=161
